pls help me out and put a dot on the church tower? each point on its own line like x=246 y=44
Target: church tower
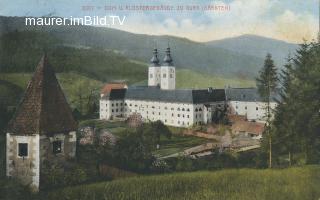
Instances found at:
x=154 y=74
x=168 y=72
x=42 y=132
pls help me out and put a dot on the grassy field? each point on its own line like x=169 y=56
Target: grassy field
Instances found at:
x=72 y=84
x=191 y=79
x=177 y=143
x=243 y=184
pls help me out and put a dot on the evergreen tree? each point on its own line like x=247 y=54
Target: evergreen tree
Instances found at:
x=267 y=83
x=297 y=117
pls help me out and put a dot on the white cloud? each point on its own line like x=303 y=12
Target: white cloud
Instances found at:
x=245 y=17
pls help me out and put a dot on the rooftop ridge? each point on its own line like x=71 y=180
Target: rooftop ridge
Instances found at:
x=44 y=108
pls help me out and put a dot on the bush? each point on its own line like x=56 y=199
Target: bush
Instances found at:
x=11 y=189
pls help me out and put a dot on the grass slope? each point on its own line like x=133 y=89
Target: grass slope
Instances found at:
x=293 y=183
x=191 y=79
x=70 y=83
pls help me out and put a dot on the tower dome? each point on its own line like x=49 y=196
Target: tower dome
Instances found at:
x=167 y=59
x=154 y=60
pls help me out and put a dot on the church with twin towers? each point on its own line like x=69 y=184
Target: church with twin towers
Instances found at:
x=160 y=100
x=163 y=75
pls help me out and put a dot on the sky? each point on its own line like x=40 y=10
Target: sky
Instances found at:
x=288 y=20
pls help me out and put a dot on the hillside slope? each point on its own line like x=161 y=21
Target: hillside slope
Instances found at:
x=257 y=46
x=186 y=53
x=21 y=52
x=244 y=184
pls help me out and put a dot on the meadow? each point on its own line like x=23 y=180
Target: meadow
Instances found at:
x=239 y=184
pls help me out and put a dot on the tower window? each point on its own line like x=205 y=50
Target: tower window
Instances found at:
x=56 y=147
x=23 y=149
x=164 y=75
x=171 y=75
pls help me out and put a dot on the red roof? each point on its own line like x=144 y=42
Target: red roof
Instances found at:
x=109 y=86
x=249 y=127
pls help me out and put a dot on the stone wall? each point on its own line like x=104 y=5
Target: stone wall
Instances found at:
x=68 y=148
x=26 y=169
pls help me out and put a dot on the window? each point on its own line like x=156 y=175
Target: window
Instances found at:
x=257 y=108
x=182 y=109
x=56 y=147
x=188 y=109
x=164 y=75
x=151 y=76
x=112 y=110
x=112 y=104
x=245 y=107
x=171 y=75
x=178 y=109
x=116 y=104
x=178 y=115
x=23 y=149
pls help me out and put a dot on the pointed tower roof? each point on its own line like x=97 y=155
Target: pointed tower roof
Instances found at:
x=43 y=109
x=167 y=59
x=154 y=60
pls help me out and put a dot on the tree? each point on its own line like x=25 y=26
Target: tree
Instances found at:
x=267 y=83
x=133 y=151
x=297 y=117
x=158 y=129
x=285 y=138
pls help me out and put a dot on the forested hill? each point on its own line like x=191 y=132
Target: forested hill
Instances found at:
x=257 y=46
x=187 y=54
x=21 y=51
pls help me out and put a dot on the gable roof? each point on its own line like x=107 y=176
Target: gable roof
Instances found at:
x=247 y=94
x=43 y=109
x=178 y=96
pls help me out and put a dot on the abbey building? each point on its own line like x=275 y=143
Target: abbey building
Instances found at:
x=160 y=100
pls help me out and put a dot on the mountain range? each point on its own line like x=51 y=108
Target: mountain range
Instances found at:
x=233 y=57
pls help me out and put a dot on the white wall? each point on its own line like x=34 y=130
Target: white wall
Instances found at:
x=110 y=108
x=168 y=78
x=254 y=111
x=173 y=114
x=154 y=76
